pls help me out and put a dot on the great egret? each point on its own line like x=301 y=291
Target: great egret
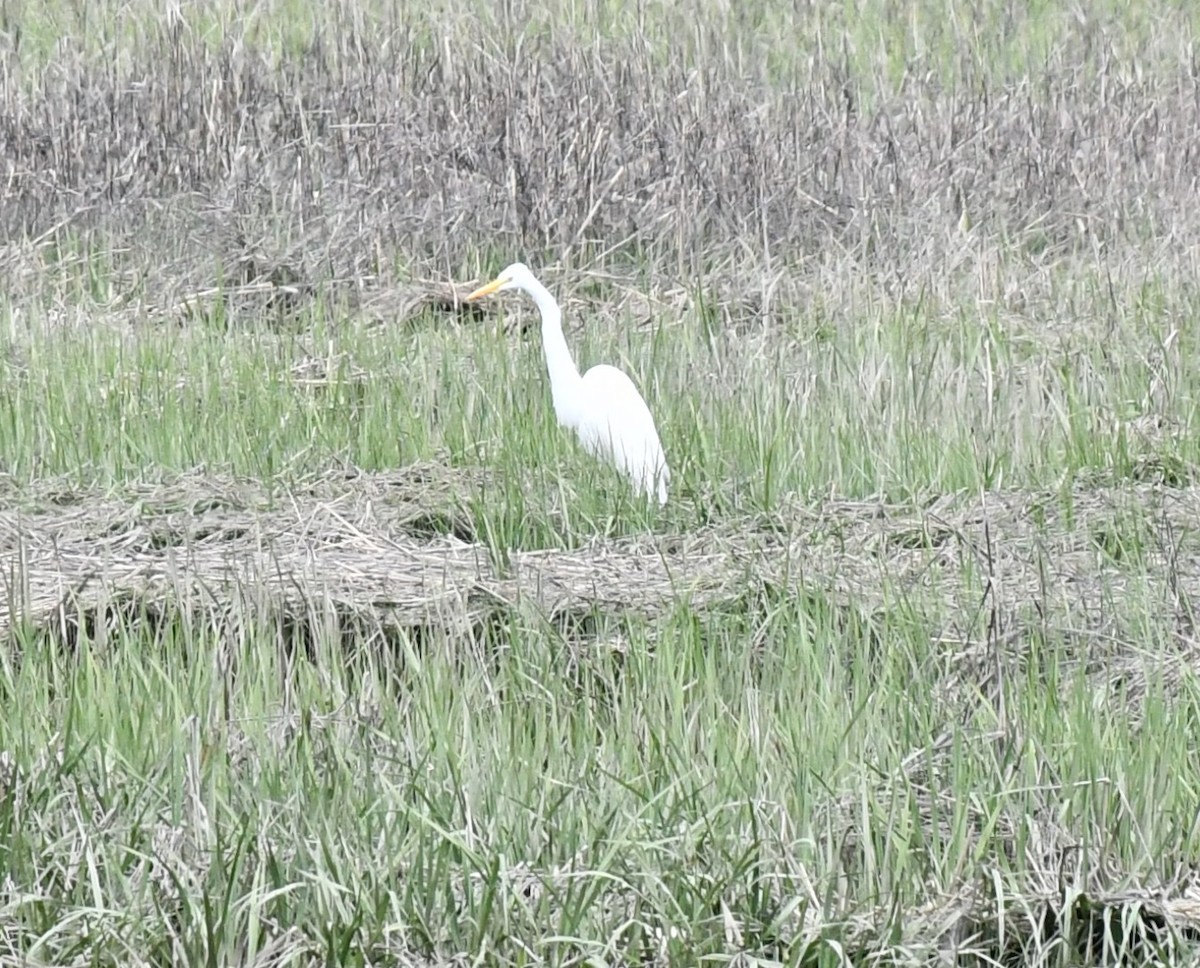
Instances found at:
x=603 y=406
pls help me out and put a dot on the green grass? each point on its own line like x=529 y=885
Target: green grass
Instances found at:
x=900 y=400
x=175 y=808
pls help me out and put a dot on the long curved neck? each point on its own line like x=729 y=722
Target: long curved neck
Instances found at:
x=564 y=375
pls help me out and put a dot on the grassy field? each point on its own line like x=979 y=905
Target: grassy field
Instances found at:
x=324 y=645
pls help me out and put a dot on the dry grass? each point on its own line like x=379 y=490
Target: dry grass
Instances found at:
x=366 y=161
x=402 y=545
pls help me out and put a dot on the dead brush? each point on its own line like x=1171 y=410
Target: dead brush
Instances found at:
x=361 y=156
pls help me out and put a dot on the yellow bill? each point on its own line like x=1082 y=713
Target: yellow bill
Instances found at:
x=487 y=290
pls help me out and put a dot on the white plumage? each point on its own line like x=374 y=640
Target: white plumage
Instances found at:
x=602 y=406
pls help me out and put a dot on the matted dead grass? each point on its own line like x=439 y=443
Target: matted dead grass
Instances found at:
x=988 y=570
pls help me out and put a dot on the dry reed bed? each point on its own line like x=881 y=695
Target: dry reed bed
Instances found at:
x=193 y=167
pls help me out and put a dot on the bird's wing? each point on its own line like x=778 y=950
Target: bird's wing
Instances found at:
x=618 y=425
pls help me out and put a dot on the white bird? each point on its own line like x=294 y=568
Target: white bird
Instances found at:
x=603 y=406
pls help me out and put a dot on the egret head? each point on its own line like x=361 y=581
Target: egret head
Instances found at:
x=516 y=276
